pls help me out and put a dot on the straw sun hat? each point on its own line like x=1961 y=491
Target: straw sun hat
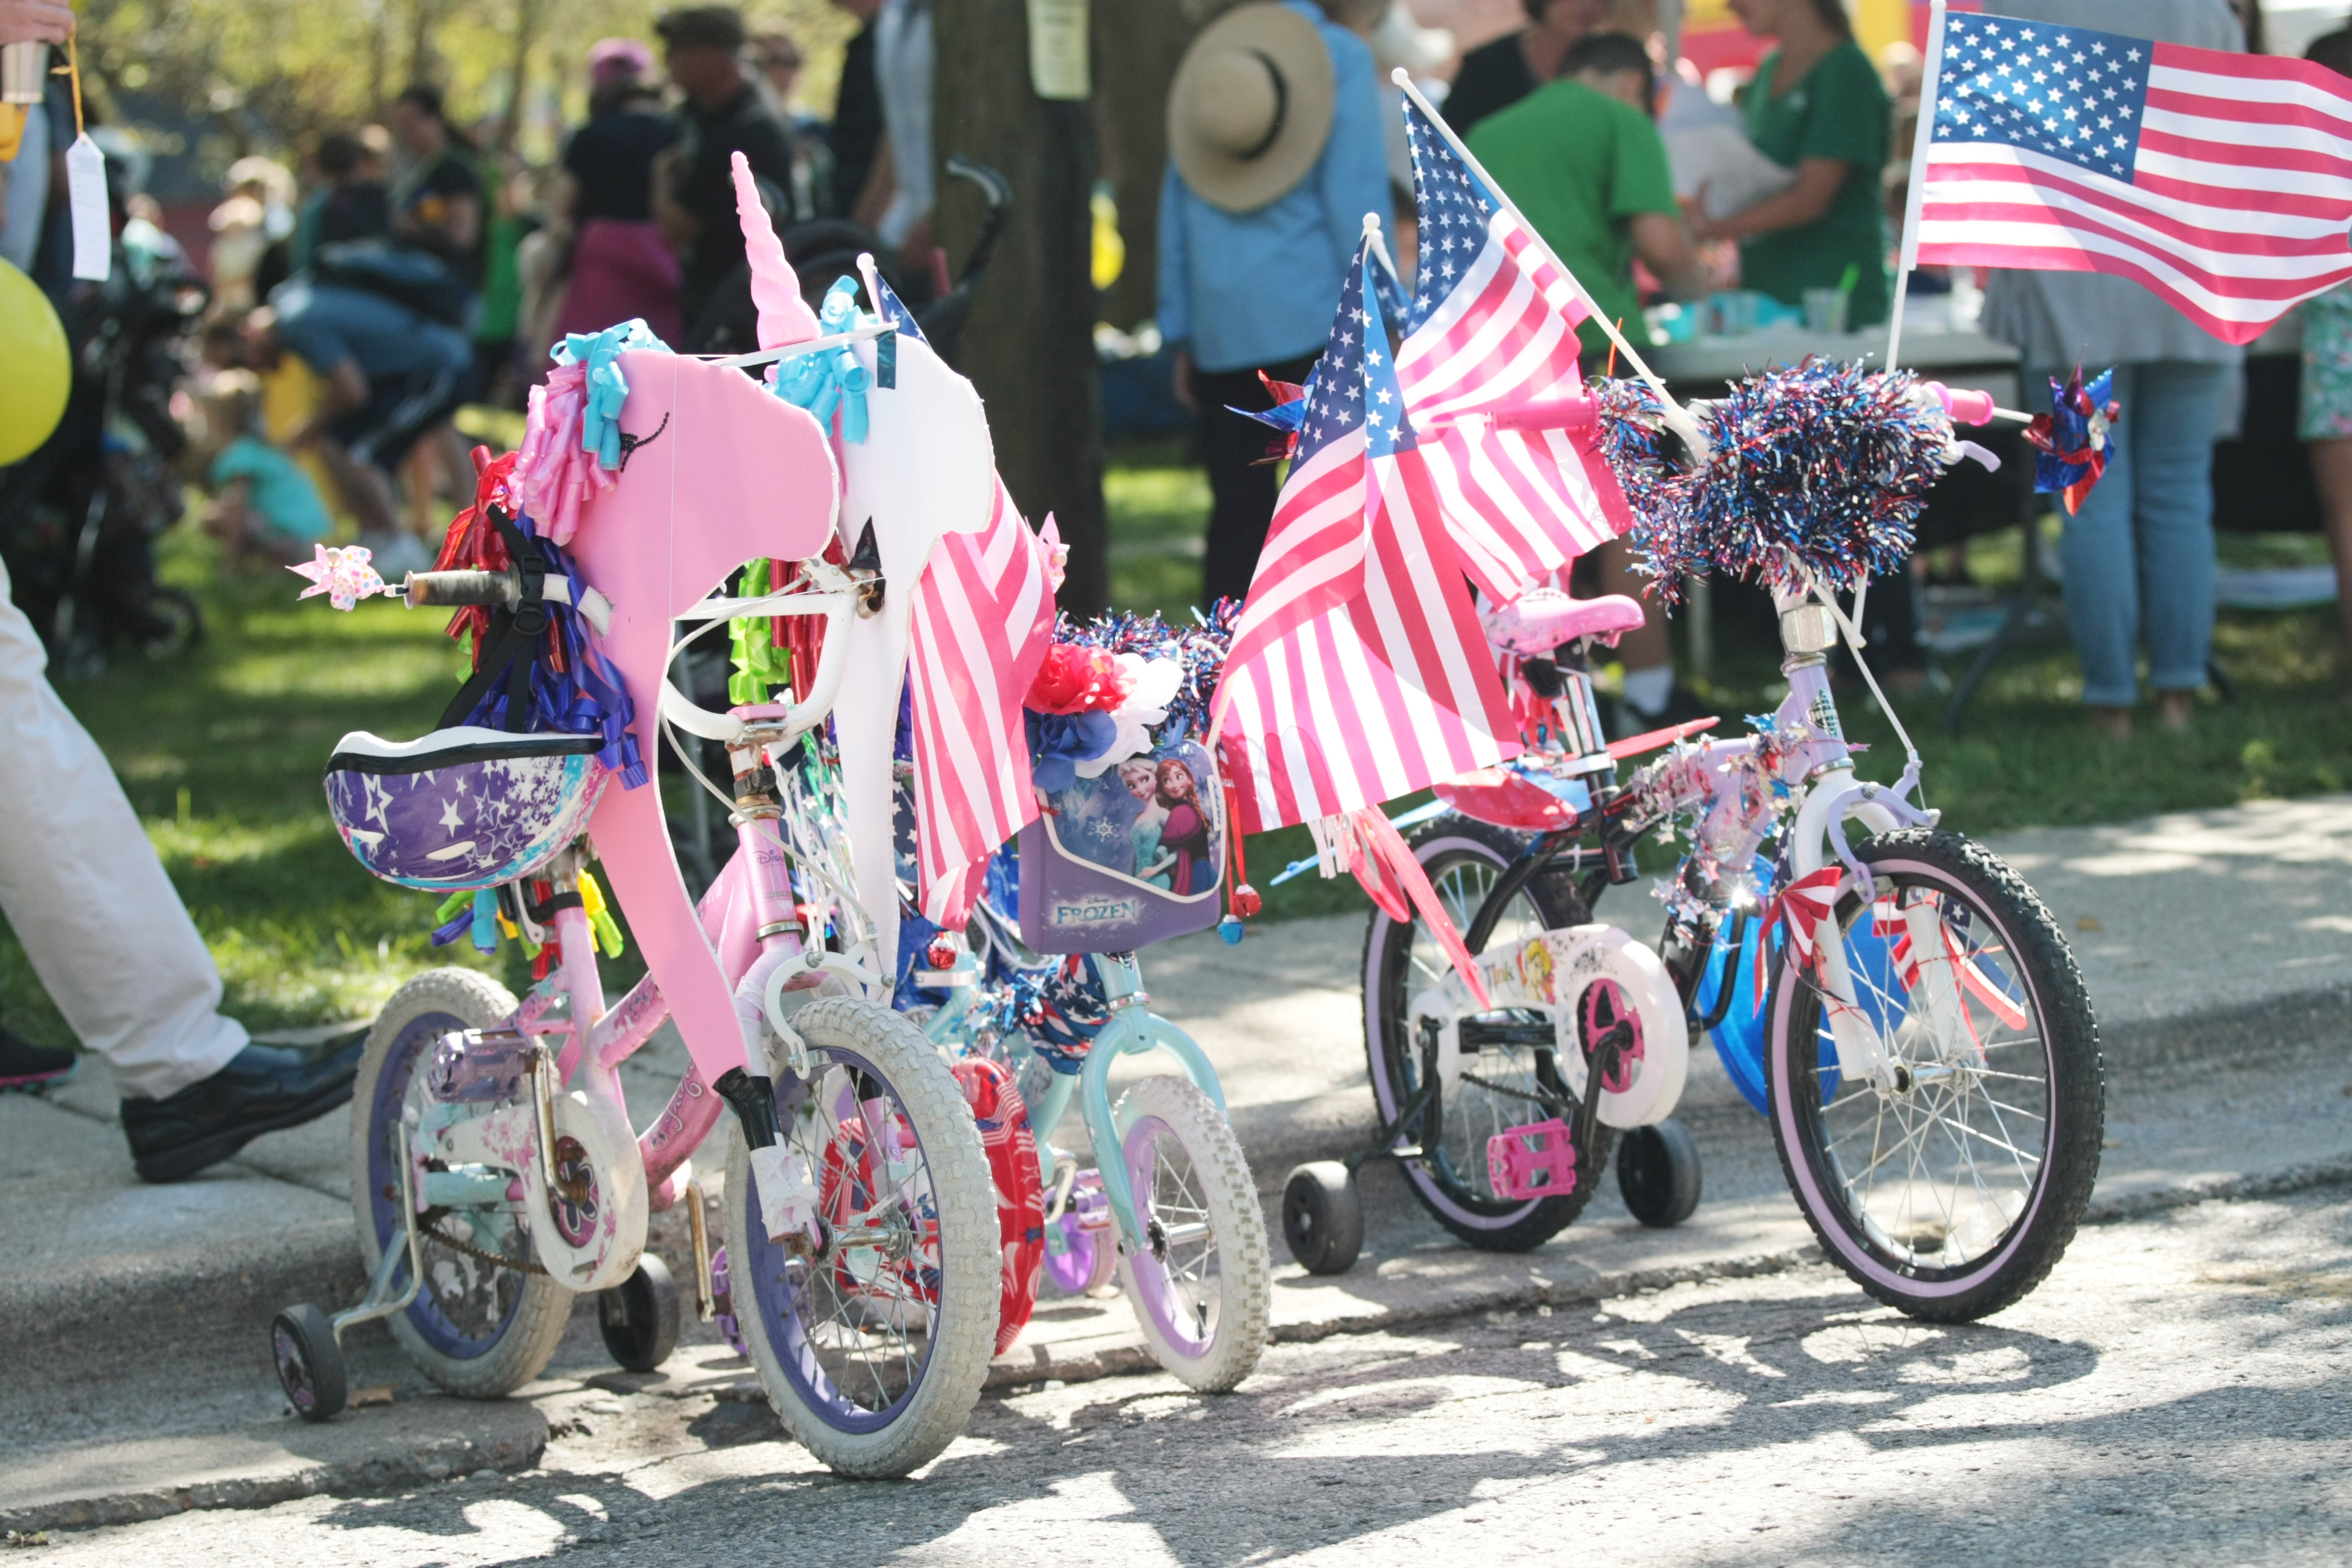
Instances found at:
x=1250 y=109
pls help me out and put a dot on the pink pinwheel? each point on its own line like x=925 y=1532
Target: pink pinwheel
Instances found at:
x=343 y=575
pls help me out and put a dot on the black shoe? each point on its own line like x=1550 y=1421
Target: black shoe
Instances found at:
x=24 y=1064
x=262 y=1090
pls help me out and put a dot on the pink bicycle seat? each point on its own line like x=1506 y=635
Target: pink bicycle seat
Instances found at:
x=1540 y=619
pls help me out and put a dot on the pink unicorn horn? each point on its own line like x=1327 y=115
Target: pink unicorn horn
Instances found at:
x=784 y=316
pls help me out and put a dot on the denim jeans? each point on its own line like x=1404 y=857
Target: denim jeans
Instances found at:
x=2139 y=556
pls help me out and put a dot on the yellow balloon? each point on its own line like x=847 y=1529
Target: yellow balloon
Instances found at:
x=40 y=367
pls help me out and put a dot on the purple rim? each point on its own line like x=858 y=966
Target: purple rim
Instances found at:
x=1153 y=1289
x=1072 y=1267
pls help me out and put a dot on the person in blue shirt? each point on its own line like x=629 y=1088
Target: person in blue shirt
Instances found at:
x=390 y=375
x=1274 y=157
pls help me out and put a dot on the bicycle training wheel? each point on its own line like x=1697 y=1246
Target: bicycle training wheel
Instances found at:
x=1949 y=1191
x=873 y=1345
x=486 y=1320
x=1202 y=1286
x=1502 y=1087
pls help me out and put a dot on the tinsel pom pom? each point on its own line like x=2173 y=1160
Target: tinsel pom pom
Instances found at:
x=1822 y=466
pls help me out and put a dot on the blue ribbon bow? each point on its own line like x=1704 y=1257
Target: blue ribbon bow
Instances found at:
x=600 y=416
x=831 y=379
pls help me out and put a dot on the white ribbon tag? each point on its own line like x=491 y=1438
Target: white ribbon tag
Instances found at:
x=93 y=233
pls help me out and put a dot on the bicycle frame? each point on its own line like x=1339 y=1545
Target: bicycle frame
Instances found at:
x=1132 y=1030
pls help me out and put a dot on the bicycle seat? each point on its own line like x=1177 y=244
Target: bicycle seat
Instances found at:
x=1540 y=619
x=462 y=807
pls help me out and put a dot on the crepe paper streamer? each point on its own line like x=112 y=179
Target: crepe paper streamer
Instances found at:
x=2070 y=440
x=1820 y=471
x=342 y=573
x=832 y=380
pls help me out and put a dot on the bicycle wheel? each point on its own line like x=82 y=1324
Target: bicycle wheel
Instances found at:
x=1464 y=858
x=1203 y=1286
x=872 y=1346
x=478 y=1328
x=1950 y=1191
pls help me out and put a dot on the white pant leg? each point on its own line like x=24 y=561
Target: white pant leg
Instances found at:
x=84 y=892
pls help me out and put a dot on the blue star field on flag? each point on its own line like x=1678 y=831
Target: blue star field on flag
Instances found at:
x=1355 y=384
x=894 y=312
x=1455 y=208
x=2064 y=92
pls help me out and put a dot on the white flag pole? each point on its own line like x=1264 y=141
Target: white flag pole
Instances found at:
x=1676 y=414
x=1907 y=257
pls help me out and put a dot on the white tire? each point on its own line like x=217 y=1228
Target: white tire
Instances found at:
x=1202 y=1287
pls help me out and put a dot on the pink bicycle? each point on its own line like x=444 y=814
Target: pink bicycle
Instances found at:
x=496 y=1173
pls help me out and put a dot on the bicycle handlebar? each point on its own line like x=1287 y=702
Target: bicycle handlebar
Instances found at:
x=457 y=589
x=733 y=732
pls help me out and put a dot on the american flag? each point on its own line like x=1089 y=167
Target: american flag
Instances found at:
x=1493 y=324
x=1357 y=671
x=2222 y=181
x=981 y=619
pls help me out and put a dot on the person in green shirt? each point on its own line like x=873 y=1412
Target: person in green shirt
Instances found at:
x=1816 y=106
x=1583 y=163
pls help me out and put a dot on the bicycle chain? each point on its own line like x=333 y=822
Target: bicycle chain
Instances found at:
x=479 y=1255
x=1549 y=1102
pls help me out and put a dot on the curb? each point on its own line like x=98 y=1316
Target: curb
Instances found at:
x=421 y=1463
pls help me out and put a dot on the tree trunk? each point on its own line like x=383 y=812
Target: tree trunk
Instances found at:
x=1142 y=41
x=527 y=14
x=1028 y=345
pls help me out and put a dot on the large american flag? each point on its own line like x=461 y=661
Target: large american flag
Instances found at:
x=2222 y=181
x=1493 y=323
x=1357 y=671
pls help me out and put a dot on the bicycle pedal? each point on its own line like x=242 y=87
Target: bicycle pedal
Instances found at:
x=1537 y=1161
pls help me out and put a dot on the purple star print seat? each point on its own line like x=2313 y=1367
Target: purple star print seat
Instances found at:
x=462 y=807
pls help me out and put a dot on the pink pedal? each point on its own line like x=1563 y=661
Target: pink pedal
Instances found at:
x=1537 y=1161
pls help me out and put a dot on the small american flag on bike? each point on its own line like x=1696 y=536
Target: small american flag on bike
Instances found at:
x=1493 y=323
x=2222 y=181
x=982 y=618
x=1357 y=671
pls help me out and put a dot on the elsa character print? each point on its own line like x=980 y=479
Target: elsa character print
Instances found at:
x=1185 y=833
x=1142 y=781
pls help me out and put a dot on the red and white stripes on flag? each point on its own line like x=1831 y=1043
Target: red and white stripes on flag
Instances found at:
x=981 y=620
x=1389 y=691
x=1357 y=671
x=2222 y=181
x=1493 y=325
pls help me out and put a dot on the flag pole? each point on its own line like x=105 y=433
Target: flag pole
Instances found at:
x=1676 y=414
x=1931 y=78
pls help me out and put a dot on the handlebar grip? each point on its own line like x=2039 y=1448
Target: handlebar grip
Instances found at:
x=1967 y=406
x=457 y=588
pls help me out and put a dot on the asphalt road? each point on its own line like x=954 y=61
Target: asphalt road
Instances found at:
x=2172 y=1395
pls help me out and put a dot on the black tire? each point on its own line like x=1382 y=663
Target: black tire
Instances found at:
x=1462 y=857
x=310 y=1363
x=639 y=1316
x=1323 y=1217
x=1658 y=1174
x=2007 y=1220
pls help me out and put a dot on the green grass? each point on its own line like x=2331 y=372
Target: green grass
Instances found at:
x=220 y=753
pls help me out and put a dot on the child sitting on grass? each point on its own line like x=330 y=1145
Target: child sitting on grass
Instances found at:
x=264 y=506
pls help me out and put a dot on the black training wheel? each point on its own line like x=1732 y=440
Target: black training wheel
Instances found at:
x=1323 y=1217
x=1658 y=1174
x=639 y=1316
x=310 y=1363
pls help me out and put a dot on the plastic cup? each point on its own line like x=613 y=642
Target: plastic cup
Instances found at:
x=1824 y=311
x=23 y=73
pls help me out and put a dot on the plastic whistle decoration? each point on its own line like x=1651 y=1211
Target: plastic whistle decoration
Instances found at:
x=2072 y=438
x=343 y=574
x=1289 y=413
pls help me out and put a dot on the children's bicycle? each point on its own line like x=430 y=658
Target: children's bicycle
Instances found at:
x=1132 y=855
x=1931 y=1063
x=496 y=1175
